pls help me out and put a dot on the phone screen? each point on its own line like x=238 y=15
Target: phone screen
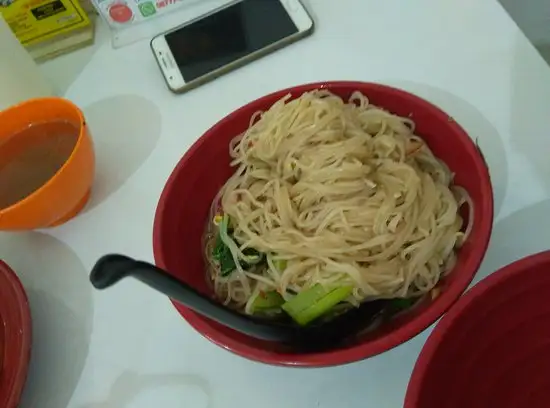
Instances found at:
x=230 y=34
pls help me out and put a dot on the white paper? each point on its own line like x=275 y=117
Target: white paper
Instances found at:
x=20 y=78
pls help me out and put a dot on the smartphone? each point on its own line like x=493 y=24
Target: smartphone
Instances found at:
x=227 y=38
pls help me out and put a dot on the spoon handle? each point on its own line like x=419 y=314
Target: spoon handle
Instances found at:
x=110 y=269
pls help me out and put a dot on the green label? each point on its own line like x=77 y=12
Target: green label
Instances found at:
x=147 y=9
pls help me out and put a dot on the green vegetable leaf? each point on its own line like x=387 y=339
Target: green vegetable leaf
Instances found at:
x=315 y=302
x=280 y=264
x=222 y=254
x=267 y=300
x=253 y=257
x=219 y=248
x=400 y=304
x=227 y=265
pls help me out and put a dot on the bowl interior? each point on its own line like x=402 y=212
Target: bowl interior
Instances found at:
x=183 y=209
x=493 y=348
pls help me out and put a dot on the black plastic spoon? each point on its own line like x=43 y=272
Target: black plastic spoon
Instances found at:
x=316 y=336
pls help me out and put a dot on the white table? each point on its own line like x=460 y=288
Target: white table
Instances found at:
x=127 y=347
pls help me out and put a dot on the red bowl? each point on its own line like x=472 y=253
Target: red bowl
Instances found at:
x=15 y=337
x=493 y=348
x=185 y=202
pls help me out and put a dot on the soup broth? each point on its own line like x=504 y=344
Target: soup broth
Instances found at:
x=32 y=156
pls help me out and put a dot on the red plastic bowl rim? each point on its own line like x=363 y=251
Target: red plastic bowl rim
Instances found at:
x=437 y=335
x=358 y=351
x=17 y=294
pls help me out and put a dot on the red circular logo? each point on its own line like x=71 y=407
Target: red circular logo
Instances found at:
x=120 y=13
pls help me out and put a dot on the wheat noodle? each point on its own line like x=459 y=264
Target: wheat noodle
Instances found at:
x=346 y=194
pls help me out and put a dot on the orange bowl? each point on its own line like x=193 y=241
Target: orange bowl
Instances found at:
x=64 y=194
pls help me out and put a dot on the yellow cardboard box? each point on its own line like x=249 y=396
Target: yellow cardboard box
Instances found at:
x=35 y=21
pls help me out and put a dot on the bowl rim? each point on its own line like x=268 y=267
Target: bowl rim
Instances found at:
x=436 y=338
x=358 y=351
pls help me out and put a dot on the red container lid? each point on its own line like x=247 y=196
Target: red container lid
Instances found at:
x=15 y=337
x=493 y=348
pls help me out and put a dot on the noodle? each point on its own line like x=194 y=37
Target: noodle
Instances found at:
x=337 y=194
